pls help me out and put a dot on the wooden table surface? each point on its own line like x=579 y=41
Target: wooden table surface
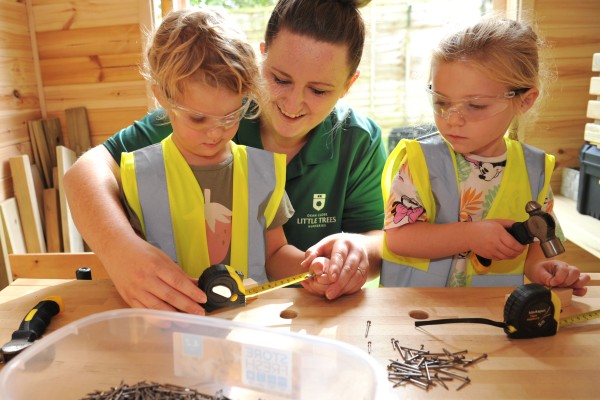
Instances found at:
x=563 y=366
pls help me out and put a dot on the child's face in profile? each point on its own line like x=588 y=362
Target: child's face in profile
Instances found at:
x=204 y=120
x=472 y=114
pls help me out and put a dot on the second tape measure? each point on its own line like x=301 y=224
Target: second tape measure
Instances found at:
x=531 y=311
x=224 y=288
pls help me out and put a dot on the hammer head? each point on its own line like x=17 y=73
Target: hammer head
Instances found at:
x=541 y=225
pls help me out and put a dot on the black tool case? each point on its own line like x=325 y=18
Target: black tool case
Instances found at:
x=588 y=199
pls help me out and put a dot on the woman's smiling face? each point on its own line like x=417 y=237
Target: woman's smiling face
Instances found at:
x=305 y=80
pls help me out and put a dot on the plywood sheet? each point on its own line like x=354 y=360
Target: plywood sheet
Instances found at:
x=28 y=205
x=52 y=220
x=11 y=222
x=72 y=240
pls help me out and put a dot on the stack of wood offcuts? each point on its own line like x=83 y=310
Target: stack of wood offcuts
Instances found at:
x=37 y=219
x=592 y=129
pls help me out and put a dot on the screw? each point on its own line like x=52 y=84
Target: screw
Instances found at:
x=369 y=347
x=368 y=326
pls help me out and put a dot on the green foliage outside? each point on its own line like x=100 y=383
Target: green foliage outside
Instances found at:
x=234 y=3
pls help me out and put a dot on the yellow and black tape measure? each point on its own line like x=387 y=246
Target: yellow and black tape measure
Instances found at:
x=224 y=287
x=531 y=311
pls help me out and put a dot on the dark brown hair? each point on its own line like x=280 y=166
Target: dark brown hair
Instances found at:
x=330 y=21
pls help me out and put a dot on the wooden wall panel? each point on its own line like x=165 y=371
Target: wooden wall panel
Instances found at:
x=57 y=15
x=116 y=39
x=91 y=69
x=572 y=31
x=19 y=99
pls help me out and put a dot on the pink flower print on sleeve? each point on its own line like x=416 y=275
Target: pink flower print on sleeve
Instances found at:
x=406 y=208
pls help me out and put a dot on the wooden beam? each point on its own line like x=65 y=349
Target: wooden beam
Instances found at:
x=55 y=265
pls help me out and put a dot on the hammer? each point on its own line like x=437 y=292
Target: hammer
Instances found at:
x=539 y=225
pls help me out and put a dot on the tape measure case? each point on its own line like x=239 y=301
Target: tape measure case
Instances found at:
x=207 y=354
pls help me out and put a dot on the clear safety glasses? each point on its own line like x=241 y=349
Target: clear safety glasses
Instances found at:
x=201 y=121
x=471 y=109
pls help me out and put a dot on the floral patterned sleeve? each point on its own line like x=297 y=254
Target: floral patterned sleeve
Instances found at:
x=403 y=205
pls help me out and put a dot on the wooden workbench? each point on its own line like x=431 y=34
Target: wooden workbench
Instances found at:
x=564 y=366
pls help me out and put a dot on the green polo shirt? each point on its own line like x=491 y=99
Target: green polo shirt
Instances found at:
x=334 y=182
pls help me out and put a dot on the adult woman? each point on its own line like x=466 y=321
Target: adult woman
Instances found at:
x=335 y=159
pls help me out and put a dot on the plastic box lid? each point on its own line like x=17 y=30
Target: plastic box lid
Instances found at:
x=207 y=354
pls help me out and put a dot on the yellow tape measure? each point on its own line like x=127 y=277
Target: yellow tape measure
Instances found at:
x=575 y=319
x=267 y=287
x=224 y=288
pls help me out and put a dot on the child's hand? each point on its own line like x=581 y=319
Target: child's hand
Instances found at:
x=554 y=273
x=490 y=239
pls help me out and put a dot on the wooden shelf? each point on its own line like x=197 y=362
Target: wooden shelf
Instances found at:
x=580 y=229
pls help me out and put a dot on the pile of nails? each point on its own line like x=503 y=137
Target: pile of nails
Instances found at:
x=151 y=390
x=426 y=370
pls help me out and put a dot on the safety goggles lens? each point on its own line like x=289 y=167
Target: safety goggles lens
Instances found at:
x=472 y=108
x=200 y=121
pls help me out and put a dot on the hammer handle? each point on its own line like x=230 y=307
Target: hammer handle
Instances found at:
x=519 y=232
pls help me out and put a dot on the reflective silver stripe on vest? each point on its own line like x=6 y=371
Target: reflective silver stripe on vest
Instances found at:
x=443 y=185
x=439 y=162
x=535 y=159
x=151 y=178
x=261 y=184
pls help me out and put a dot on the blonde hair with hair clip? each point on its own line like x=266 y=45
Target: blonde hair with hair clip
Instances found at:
x=201 y=44
x=504 y=50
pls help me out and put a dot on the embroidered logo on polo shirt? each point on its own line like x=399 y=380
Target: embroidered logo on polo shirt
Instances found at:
x=319 y=201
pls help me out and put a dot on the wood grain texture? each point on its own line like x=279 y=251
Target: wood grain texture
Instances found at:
x=52 y=220
x=55 y=265
x=106 y=95
x=556 y=367
x=114 y=39
x=5 y=271
x=57 y=15
x=28 y=205
x=13 y=231
x=78 y=130
x=91 y=69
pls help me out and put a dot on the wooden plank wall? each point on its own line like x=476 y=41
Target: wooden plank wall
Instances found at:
x=19 y=101
x=89 y=57
x=572 y=29
x=89 y=54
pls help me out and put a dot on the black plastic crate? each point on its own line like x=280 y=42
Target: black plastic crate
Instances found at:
x=588 y=199
x=409 y=132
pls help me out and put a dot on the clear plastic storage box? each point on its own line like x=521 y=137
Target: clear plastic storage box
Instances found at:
x=206 y=354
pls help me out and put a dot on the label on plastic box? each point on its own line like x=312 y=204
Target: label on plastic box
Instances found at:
x=267 y=368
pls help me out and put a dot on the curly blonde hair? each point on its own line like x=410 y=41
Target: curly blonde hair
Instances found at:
x=200 y=44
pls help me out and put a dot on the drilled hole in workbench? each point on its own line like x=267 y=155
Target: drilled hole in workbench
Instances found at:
x=418 y=314
x=288 y=314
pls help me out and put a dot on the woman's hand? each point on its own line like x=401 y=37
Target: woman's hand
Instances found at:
x=341 y=264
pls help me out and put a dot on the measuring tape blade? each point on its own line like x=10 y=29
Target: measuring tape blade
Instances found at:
x=224 y=288
x=579 y=318
x=269 y=286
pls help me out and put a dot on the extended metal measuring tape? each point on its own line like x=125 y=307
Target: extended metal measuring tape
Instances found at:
x=224 y=288
x=531 y=311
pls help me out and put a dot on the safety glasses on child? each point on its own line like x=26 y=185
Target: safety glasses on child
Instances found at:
x=201 y=121
x=471 y=109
